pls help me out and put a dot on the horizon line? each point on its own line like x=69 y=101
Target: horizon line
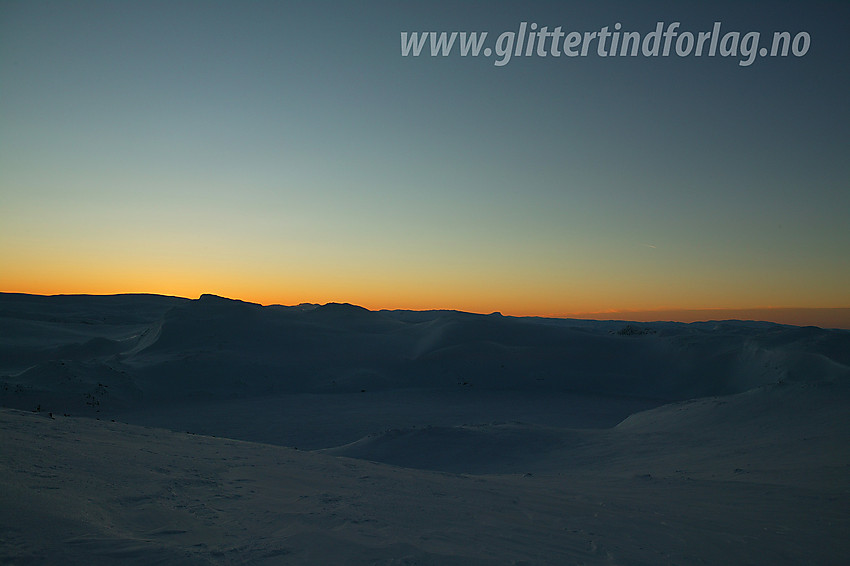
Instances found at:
x=823 y=317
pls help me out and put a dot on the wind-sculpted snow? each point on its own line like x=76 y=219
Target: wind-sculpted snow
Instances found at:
x=149 y=349
x=484 y=448
x=330 y=434
x=720 y=481
x=779 y=434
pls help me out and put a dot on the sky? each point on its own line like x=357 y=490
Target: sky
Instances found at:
x=287 y=152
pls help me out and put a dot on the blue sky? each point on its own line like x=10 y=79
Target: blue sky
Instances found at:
x=287 y=152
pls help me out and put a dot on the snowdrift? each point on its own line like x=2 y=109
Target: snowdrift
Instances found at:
x=224 y=432
x=669 y=486
x=63 y=353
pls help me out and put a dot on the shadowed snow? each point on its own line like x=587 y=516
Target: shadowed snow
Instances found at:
x=434 y=437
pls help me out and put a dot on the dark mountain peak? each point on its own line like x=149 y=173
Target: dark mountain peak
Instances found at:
x=342 y=308
x=211 y=299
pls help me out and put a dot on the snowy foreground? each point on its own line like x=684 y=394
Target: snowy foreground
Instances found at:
x=156 y=430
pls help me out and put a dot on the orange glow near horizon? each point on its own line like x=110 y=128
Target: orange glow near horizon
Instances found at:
x=398 y=291
x=435 y=298
x=515 y=284
x=276 y=180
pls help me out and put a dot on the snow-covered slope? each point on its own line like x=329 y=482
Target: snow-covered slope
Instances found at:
x=117 y=353
x=654 y=490
x=330 y=434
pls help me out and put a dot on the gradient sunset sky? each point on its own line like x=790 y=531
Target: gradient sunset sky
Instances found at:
x=285 y=152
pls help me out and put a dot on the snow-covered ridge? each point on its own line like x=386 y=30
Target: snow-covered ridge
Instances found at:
x=330 y=434
x=77 y=353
